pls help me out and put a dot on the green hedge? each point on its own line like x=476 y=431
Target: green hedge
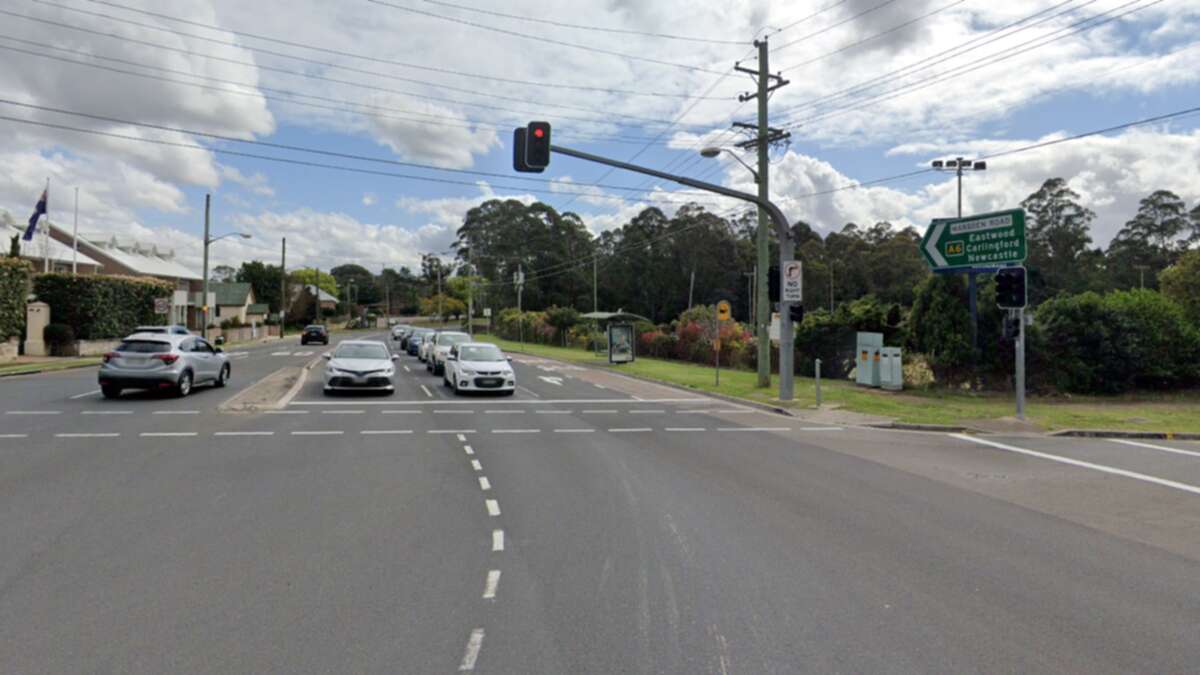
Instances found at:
x=101 y=307
x=14 y=288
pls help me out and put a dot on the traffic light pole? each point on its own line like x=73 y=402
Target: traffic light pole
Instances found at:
x=1020 y=357
x=786 y=247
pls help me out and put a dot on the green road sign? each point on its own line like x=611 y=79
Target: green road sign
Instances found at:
x=986 y=240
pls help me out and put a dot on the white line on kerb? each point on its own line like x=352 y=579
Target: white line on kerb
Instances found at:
x=244 y=433
x=629 y=430
x=484 y=483
x=493 y=508
x=574 y=431
x=497 y=540
x=489 y=587
x=385 y=432
x=1163 y=448
x=476 y=465
x=107 y=412
x=167 y=434
x=1087 y=465
x=467 y=449
x=473 y=644
x=426 y=390
x=89 y=435
x=86 y=394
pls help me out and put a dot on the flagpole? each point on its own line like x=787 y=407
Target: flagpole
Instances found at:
x=75 y=238
x=46 y=232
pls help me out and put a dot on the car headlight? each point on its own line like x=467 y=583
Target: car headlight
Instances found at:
x=468 y=372
x=389 y=372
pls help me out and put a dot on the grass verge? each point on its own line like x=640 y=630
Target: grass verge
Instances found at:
x=1177 y=412
x=48 y=366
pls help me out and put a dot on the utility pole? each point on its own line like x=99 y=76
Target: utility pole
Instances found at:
x=691 y=287
x=317 y=295
x=204 y=299
x=519 y=280
x=439 y=279
x=75 y=238
x=283 y=289
x=471 y=293
x=764 y=136
x=750 y=276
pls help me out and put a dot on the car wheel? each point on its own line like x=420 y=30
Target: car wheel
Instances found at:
x=223 y=377
x=110 y=391
x=184 y=386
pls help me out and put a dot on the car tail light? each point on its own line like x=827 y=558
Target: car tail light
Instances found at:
x=167 y=358
x=110 y=356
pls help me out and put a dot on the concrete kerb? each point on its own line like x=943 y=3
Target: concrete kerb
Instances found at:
x=1110 y=433
x=938 y=428
x=261 y=395
x=56 y=369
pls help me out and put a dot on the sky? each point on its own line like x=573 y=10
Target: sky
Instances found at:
x=363 y=130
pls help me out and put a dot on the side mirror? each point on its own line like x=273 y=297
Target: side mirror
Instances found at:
x=327 y=356
x=218 y=350
x=451 y=357
x=509 y=359
x=395 y=357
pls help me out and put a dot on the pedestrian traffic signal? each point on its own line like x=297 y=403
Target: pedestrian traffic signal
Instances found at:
x=797 y=313
x=1010 y=288
x=773 y=284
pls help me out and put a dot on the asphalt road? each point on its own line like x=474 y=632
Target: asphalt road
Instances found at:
x=589 y=524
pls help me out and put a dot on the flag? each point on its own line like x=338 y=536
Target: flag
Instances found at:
x=38 y=212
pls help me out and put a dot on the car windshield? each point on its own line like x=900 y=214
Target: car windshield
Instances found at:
x=315 y=329
x=482 y=353
x=347 y=351
x=452 y=338
x=151 y=329
x=416 y=339
x=143 y=347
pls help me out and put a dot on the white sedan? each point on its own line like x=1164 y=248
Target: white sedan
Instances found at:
x=478 y=366
x=360 y=365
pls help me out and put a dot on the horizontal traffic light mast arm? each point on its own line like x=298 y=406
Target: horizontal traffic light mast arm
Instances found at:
x=781 y=222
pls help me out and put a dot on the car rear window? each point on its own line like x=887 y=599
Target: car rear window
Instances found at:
x=452 y=338
x=143 y=347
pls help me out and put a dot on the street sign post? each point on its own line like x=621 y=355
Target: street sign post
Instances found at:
x=989 y=239
x=162 y=305
x=791 y=282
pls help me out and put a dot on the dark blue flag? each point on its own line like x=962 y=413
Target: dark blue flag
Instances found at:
x=38 y=212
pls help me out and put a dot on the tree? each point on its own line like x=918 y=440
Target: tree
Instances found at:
x=222 y=274
x=14 y=246
x=1181 y=283
x=940 y=326
x=309 y=276
x=365 y=291
x=1150 y=242
x=1058 y=238
x=562 y=318
x=266 y=280
x=450 y=307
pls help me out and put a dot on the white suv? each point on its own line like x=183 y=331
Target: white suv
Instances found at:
x=439 y=348
x=478 y=366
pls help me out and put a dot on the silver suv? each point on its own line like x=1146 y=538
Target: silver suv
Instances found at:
x=162 y=361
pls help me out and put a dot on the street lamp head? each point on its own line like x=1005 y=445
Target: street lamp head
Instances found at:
x=710 y=152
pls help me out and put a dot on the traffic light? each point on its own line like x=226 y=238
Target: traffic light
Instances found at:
x=773 y=284
x=519 y=135
x=537 y=148
x=1010 y=288
x=796 y=312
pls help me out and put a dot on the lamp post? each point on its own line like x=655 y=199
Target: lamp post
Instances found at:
x=761 y=306
x=208 y=241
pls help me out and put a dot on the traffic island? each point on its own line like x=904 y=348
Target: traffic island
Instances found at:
x=273 y=392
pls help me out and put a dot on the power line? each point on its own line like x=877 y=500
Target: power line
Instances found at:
x=562 y=24
x=545 y=39
x=318 y=151
x=876 y=36
x=327 y=50
x=979 y=63
x=831 y=26
x=319 y=165
x=814 y=15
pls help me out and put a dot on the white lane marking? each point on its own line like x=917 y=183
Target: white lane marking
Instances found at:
x=342 y=412
x=176 y=412
x=400 y=412
x=460 y=432
x=599 y=386
x=285 y=412
x=281 y=353
x=574 y=431
x=684 y=412
x=167 y=434
x=302 y=354
x=516 y=431
x=529 y=391
x=33 y=412
x=630 y=430
x=1086 y=465
x=493 y=508
x=556 y=381
x=468 y=449
x=86 y=394
x=385 y=432
x=754 y=428
x=489 y=587
x=107 y=412
x=684 y=429
x=647 y=412
x=735 y=411
x=461 y=438
x=244 y=433
x=473 y=644
x=504 y=412
x=426 y=390
x=518 y=401
x=406 y=369
x=317 y=433
x=551 y=412
x=599 y=412
x=476 y=465
x=484 y=483
x=87 y=435
x=453 y=412
x=820 y=429
x=1151 y=446
x=636 y=398
x=14 y=435
x=497 y=540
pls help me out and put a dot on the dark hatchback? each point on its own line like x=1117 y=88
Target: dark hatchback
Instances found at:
x=314 y=333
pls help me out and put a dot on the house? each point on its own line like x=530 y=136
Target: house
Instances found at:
x=257 y=313
x=233 y=300
x=62 y=258
x=301 y=299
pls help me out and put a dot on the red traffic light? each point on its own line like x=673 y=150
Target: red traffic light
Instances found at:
x=539 y=132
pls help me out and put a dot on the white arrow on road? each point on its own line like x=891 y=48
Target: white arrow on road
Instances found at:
x=551 y=380
x=931 y=245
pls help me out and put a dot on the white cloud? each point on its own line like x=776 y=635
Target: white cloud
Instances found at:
x=369 y=199
x=257 y=183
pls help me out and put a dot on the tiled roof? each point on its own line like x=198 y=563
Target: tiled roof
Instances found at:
x=230 y=293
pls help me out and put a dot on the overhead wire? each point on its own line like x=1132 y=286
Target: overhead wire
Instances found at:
x=836 y=24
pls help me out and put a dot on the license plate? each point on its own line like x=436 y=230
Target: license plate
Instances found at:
x=489 y=382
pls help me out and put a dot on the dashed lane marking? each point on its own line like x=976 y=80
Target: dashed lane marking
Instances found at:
x=450 y=431
x=754 y=428
x=286 y=412
x=630 y=430
x=476 y=465
x=504 y=412
x=385 y=432
x=599 y=412
x=318 y=433
x=302 y=354
x=647 y=412
x=176 y=412
x=468 y=449
x=684 y=429
x=490 y=586
x=484 y=483
x=244 y=433
x=86 y=394
x=400 y=412
x=342 y=412
x=167 y=434
x=493 y=507
x=281 y=353
x=426 y=390
x=107 y=412
x=551 y=412
x=1161 y=448
x=453 y=412
x=516 y=431
x=474 y=643
x=33 y=412
x=14 y=435
x=87 y=435
x=574 y=431
x=821 y=429
x=497 y=540
x=462 y=439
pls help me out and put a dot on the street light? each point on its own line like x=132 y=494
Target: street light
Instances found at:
x=207 y=242
x=761 y=305
x=958 y=166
